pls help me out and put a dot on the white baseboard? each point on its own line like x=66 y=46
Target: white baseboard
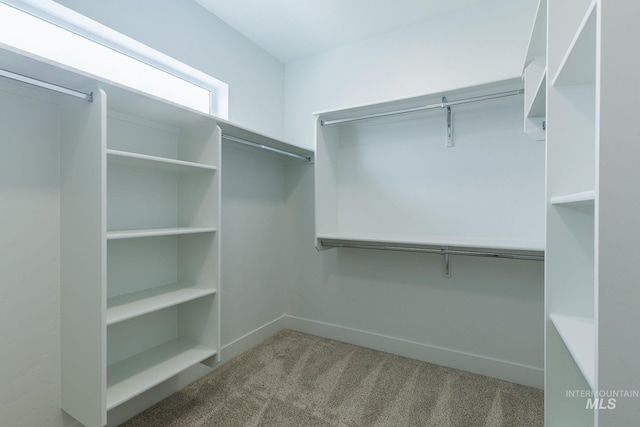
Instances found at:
x=251 y=339
x=501 y=369
x=504 y=370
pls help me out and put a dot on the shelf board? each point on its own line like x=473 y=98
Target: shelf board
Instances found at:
x=579 y=63
x=265 y=142
x=578 y=335
x=137 y=374
x=434 y=241
x=157 y=163
x=583 y=198
x=124 y=307
x=156 y=232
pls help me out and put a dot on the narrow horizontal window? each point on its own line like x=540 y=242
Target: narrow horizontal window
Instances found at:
x=27 y=34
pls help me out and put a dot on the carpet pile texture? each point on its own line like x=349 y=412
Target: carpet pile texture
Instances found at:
x=295 y=379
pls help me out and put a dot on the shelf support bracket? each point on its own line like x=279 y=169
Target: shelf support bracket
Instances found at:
x=449 y=122
x=447 y=261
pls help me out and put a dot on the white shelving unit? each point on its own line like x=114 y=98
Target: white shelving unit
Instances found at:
x=139 y=198
x=571 y=283
x=140 y=248
x=394 y=180
x=591 y=161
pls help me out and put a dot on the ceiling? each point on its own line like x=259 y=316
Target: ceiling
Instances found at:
x=293 y=29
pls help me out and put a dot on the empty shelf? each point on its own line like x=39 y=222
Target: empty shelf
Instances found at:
x=127 y=306
x=578 y=335
x=137 y=374
x=158 y=163
x=153 y=232
x=581 y=198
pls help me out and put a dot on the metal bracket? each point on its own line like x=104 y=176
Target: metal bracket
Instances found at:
x=447 y=262
x=449 y=122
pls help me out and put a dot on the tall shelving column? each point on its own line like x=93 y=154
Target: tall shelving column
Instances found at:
x=592 y=267
x=162 y=247
x=140 y=247
x=570 y=282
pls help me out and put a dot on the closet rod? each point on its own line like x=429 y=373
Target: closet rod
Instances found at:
x=45 y=85
x=425 y=107
x=264 y=147
x=442 y=251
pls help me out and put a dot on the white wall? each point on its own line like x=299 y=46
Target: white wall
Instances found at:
x=483 y=44
x=253 y=225
x=488 y=316
x=189 y=33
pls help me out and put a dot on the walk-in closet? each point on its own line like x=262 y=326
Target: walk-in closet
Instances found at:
x=438 y=197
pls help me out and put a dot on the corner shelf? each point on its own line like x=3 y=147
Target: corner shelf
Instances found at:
x=124 y=307
x=578 y=65
x=137 y=374
x=578 y=334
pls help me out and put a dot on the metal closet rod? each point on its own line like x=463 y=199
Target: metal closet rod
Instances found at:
x=46 y=85
x=264 y=147
x=443 y=104
x=443 y=251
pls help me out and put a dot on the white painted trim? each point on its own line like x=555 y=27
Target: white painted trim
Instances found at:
x=251 y=339
x=501 y=369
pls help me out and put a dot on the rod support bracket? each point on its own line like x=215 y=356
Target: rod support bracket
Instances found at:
x=449 y=122
x=447 y=261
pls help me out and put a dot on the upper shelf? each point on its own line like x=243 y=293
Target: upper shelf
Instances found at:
x=243 y=135
x=418 y=102
x=579 y=62
x=135 y=103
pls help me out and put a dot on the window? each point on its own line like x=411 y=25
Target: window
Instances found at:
x=51 y=32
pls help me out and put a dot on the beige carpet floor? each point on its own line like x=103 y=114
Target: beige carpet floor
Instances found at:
x=295 y=379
